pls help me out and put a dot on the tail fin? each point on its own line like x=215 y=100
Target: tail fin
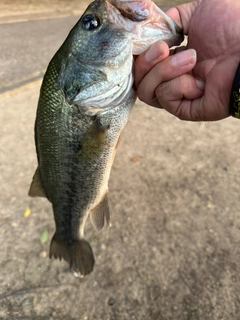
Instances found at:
x=79 y=254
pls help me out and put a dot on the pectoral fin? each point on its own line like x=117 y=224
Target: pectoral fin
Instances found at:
x=94 y=141
x=36 y=189
x=100 y=215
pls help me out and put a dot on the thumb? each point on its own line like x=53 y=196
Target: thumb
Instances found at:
x=183 y=13
x=145 y=61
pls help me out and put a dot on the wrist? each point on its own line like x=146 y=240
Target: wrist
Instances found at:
x=234 y=104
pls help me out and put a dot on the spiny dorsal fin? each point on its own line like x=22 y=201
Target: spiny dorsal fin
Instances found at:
x=100 y=215
x=36 y=189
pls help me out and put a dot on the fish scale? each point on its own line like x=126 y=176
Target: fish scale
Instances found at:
x=84 y=105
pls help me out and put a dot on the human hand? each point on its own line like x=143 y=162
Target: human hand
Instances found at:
x=195 y=83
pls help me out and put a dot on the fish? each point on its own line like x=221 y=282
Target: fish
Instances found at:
x=85 y=101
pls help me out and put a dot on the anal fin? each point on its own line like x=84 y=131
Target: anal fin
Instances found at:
x=100 y=215
x=36 y=189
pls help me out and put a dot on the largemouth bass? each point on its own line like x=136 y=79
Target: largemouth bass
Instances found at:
x=85 y=101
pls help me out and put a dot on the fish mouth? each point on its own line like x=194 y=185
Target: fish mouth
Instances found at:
x=146 y=23
x=137 y=10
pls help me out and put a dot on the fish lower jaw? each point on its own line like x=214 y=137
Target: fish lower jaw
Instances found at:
x=153 y=24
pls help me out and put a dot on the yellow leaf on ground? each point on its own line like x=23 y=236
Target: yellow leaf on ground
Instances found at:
x=27 y=212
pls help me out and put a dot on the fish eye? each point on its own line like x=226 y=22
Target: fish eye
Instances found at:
x=90 y=22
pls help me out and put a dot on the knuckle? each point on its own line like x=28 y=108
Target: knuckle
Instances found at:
x=162 y=91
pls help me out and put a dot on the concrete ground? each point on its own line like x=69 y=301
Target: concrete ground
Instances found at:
x=172 y=251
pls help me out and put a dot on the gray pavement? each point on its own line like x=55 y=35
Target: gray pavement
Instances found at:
x=27 y=47
x=173 y=249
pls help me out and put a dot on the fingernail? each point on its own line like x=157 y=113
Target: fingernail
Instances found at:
x=200 y=84
x=154 y=51
x=184 y=58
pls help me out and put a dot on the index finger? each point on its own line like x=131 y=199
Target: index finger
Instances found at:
x=145 y=61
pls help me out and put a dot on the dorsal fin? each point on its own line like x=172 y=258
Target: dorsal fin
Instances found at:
x=36 y=189
x=100 y=215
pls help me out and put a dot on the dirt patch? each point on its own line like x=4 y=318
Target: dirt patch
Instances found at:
x=172 y=251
